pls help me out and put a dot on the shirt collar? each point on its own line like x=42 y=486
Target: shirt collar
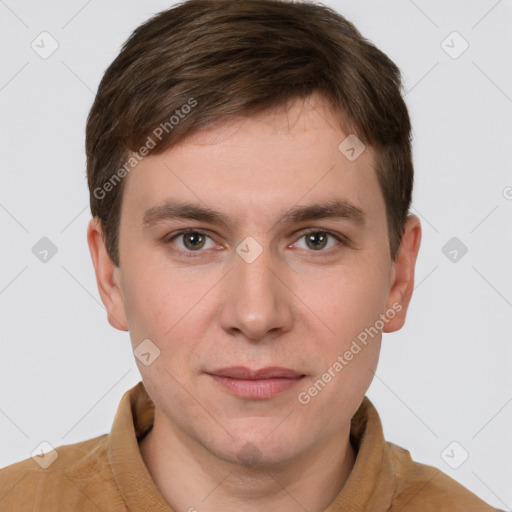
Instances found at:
x=134 y=418
x=370 y=486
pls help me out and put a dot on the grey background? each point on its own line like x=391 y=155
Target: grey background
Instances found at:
x=444 y=377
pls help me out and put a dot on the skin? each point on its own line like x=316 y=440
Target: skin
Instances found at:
x=296 y=306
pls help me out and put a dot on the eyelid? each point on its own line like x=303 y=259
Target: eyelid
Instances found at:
x=307 y=231
x=172 y=236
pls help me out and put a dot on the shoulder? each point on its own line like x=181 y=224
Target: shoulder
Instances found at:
x=76 y=474
x=425 y=488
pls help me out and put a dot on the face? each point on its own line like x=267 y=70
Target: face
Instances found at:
x=273 y=280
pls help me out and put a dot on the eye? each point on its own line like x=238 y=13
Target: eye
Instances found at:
x=318 y=240
x=191 y=240
x=194 y=241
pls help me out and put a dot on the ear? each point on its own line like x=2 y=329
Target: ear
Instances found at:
x=402 y=281
x=107 y=276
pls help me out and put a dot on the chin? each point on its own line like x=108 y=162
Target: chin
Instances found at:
x=257 y=450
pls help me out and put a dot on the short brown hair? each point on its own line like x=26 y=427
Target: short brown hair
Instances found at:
x=224 y=58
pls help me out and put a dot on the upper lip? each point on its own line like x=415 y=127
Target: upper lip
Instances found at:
x=242 y=372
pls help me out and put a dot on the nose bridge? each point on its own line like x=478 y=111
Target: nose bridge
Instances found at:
x=257 y=300
x=255 y=275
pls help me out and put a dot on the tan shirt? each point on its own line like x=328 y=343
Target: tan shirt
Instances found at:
x=107 y=473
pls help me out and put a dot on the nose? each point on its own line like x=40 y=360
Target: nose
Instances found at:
x=258 y=302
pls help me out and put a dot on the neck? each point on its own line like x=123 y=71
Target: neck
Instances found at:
x=190 y=478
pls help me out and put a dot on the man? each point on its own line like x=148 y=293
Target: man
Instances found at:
x=250 y=176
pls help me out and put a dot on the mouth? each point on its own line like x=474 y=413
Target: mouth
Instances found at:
x=256 y=384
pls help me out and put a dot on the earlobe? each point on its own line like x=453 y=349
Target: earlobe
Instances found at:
x=402 y=284
x=107 y=276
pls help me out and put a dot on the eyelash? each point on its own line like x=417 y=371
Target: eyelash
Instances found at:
x=343 y=241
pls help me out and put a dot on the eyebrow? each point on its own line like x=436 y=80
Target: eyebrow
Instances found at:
x=331 y=209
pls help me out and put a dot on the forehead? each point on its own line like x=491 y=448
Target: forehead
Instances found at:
x=258 y=165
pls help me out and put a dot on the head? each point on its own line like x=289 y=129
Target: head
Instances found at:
x=277 y=136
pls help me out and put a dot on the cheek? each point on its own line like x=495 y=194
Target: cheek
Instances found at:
x=347 y=342
x=151 y=303
x=164 y=305
x=152 y=286
x=344 y=302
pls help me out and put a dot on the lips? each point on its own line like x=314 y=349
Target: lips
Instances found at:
x=243 y=373
x=262 y=384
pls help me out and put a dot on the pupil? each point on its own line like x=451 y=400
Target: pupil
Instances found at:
x=192 y=239
x=321 y=236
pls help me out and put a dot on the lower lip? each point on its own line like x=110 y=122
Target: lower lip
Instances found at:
x=256 y=389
